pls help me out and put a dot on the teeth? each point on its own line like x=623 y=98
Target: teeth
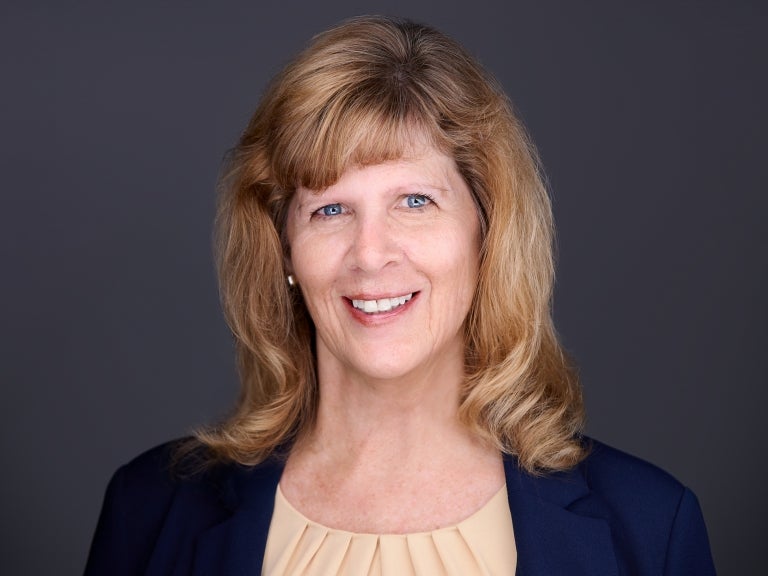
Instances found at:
x=383 y=305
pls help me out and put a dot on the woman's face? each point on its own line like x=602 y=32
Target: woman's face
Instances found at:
x=387 y=260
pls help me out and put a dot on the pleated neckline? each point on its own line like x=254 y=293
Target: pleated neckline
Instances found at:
x=482 y=544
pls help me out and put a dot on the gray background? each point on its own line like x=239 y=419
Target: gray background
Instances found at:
x=650 y=119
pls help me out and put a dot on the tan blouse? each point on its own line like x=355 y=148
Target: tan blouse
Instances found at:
x=483 y=544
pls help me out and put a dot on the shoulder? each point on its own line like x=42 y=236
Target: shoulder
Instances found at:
x=151 y=495
x=607 y=483
x=628 y=513
x=640 y=495
x=163 y=504
x=156 y=476
x=649 y=510
x=616 y=475
x=149 y=473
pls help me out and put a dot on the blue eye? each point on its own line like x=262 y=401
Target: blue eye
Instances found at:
x=330 y=210
x=417 y=200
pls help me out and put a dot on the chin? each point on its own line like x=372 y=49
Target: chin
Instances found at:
x=386 y=371
x=370 y=363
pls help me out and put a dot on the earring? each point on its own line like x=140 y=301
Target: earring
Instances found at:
x=291 y=280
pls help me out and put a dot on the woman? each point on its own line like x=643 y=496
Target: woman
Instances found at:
x=385 y=256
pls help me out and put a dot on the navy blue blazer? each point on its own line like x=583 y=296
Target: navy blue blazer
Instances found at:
x=611 y=515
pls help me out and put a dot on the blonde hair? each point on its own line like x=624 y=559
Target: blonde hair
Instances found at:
x=357 y=96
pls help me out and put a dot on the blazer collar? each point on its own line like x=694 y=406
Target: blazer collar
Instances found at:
x=561 y=527
x=236 y=546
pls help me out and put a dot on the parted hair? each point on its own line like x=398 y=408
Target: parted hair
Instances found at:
x=358 y=95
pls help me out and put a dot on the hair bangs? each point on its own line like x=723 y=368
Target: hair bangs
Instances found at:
x=361 y=128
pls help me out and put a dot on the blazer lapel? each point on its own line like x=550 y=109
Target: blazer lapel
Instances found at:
x=560 y=526
x=236 y=546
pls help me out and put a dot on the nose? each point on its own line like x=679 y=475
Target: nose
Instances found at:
x=374 y=245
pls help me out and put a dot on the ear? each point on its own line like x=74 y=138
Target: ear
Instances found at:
x=280 y=221
x=287 y=263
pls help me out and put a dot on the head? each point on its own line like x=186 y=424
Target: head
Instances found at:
x=371 y=91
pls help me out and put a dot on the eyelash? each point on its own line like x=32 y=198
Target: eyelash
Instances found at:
x=320 y=212
x=428 y=200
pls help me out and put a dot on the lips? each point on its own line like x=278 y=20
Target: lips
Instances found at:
x=381 y=304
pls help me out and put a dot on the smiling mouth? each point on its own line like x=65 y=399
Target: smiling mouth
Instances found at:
x=381 y=305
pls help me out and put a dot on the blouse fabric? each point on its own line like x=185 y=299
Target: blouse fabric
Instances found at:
x=481 y=545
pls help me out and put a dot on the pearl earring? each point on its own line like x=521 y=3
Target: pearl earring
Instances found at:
x=291 y=280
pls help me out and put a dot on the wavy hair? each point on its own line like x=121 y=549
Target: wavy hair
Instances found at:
x=357 y=95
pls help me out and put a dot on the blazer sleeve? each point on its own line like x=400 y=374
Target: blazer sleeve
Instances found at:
x=688 y=550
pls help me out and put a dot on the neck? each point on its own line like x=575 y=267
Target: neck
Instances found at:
x=409 y=415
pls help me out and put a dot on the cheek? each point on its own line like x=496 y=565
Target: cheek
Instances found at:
x=455 y=265
x=461 y=253
x=305 y=254
x=315 y=265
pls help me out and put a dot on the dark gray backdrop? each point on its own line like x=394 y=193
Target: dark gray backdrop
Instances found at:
x=650 y=119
